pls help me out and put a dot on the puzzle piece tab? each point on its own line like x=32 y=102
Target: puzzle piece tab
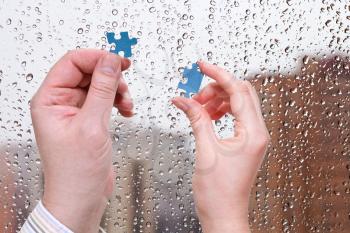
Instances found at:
x=123 y=44
x=194 y=80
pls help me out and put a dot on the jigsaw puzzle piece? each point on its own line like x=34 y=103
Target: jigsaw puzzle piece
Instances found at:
x=123 y=44
x=194 y=80
x=111 y=38
x=186 y=89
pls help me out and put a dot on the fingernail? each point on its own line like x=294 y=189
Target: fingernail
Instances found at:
x=109 y=64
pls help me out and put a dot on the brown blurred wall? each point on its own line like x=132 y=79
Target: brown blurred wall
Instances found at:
x=304 y=183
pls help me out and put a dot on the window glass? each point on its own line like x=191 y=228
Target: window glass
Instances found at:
x=295 y=52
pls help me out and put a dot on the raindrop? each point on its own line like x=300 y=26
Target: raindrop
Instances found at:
x=29 y=77
x=114 y=12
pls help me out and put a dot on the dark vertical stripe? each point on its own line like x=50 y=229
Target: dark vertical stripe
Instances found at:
x=32 y=228
x=36 y=224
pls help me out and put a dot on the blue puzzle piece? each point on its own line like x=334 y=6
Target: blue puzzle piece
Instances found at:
x=194 y=80
x=123 y=44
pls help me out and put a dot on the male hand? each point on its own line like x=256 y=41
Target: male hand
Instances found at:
x=225 y=169
x=71 y=113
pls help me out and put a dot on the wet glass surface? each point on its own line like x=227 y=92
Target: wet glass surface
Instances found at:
x=294 y=52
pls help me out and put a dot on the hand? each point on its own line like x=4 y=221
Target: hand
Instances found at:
x=71 y=113
x=225 y=169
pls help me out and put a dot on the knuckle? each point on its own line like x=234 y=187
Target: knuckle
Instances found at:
x=195 y=117
x=117 y=60
x=222 y=71
x=228 y=80
x=229 y=84
x=249 y=85
x=261 y=140
x=64 y=96
x=103 y=87
x=243 y=87
x=94 y=136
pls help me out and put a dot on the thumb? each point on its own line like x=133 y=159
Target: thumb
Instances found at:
x=103 y=88
x=198 y=116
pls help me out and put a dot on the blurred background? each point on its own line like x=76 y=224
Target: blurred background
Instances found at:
x=295 y=52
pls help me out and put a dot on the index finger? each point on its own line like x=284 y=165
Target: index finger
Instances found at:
x=221 y=76
x=241 y=101
x=69 y=71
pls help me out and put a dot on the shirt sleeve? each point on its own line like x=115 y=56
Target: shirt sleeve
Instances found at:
x=41 y=221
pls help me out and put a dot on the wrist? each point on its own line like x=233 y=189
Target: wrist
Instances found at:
x=77 y=215
x=227 y=221
x=226 y=226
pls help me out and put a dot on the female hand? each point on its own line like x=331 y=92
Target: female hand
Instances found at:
x=70 y=114
x=225 y=169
